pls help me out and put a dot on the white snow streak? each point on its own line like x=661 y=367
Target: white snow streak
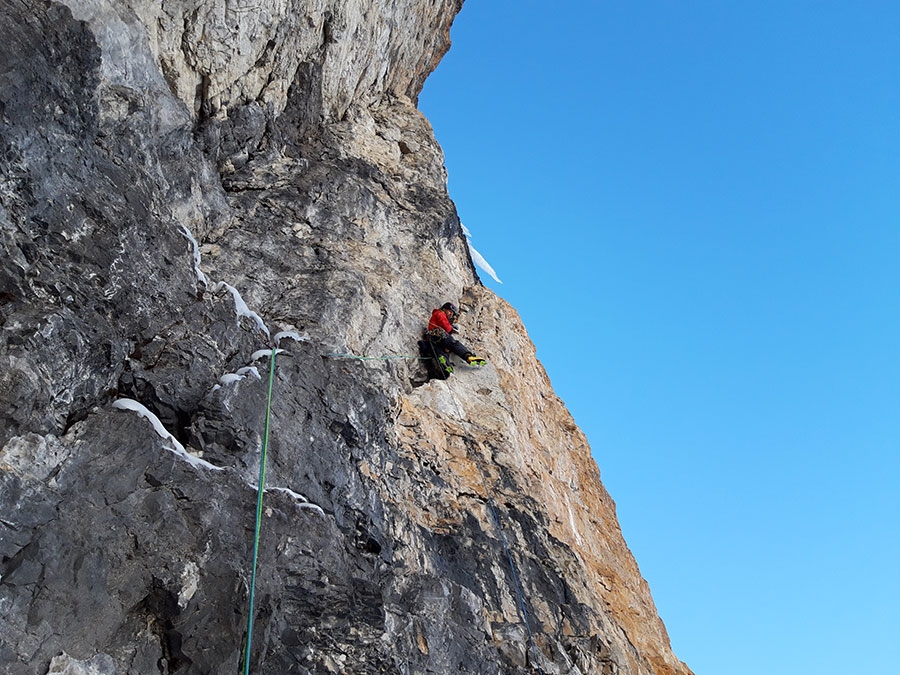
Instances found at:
x=190 y=237
x=177 y=448
x=291 y=493
x=311 y=507
x=240 y=307
x=477 y=258
x=262 y=353
x=302 y=502
x=231 y=378
x=293 y=335
x=572 y=522
x=249 y=370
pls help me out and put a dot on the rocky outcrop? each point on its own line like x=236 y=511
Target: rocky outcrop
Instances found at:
x=185 y=184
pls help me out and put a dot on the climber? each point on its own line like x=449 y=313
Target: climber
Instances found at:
x=441 y=342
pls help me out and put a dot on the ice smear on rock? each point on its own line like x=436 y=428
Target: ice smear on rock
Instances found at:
x=177 y=448
x=201 y=277
x=311 y=507
x=304 y=503
x=241 y=308
x=477 y=258
x=231 y=378
x=290 y=334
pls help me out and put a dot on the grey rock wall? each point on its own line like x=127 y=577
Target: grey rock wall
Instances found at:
x=182 y=186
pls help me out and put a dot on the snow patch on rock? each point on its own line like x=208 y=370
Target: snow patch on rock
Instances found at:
x=176 y=448
x=241 y=308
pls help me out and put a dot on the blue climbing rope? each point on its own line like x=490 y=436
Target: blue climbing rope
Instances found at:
x=260 y=489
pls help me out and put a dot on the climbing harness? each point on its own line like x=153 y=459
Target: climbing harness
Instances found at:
x=444 y=367
x=520 y=595
x=260 y=489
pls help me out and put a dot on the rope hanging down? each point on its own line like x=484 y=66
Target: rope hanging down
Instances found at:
x=262 y=485
x=261 y=489
x=259 y=500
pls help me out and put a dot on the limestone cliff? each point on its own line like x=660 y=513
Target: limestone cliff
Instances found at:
x=182 y=181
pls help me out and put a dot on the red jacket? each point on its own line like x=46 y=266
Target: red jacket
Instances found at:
x=440 y=320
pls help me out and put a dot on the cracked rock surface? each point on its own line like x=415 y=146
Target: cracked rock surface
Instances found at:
x=182 y=186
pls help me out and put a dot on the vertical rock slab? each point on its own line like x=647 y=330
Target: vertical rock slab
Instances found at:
x=184 y=186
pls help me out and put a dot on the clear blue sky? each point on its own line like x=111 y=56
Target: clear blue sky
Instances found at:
x=695 y=207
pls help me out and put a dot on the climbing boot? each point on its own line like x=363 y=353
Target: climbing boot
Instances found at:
x=473 y=360
x=445 y=365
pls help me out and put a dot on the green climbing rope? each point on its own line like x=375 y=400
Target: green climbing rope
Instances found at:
x=261 y=489
x=377 y=358
x=259 y=501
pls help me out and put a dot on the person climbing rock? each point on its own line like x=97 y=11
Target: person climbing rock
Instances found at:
x=441 y=342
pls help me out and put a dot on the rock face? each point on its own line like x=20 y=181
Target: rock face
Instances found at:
x=183 y=184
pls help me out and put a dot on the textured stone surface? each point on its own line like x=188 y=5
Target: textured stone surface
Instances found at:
x=179 y=182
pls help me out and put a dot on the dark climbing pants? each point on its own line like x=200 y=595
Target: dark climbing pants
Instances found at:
x=450 y=344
